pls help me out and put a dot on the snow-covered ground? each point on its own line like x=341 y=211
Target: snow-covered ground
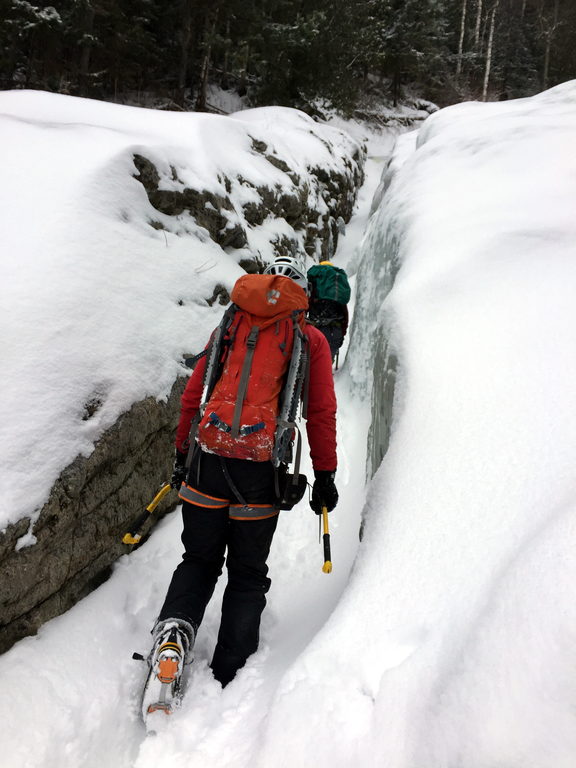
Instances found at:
x=446 y=638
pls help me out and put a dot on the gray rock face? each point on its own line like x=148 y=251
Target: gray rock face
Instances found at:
x=79 y=531
x=298 y=206
x=78 y=534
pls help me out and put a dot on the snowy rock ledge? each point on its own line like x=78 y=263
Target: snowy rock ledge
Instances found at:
x=49 y=565
x=122 y=231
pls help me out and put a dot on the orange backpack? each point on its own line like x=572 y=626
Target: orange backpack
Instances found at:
x=249 y=360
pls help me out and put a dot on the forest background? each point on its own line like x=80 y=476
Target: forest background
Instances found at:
x=343 y=54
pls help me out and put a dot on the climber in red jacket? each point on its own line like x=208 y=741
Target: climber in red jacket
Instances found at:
x=230 y=485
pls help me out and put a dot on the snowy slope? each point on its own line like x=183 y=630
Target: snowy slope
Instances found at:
x=93 y=298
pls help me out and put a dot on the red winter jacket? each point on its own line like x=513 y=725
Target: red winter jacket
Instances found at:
x=321 y=421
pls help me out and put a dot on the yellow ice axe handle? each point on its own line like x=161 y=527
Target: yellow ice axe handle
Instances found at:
x=135 y=533
x=327 y=567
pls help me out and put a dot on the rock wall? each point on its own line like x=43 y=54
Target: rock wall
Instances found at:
x=78 y=533
x=315 y=207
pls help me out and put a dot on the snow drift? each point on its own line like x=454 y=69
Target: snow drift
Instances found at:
x=453 y=644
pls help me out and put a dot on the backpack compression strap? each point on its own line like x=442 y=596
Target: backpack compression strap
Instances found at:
x=244 y=377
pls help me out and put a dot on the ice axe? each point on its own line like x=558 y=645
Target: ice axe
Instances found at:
x=327 y=567
x=135 y=533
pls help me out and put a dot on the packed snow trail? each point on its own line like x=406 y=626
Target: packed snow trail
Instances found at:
x=69 y=697
x=75 y=687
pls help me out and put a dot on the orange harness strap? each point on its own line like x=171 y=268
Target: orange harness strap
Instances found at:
x=237 y=511
x=192 y=496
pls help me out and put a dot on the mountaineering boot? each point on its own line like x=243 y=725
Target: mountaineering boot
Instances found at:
x=173 y=642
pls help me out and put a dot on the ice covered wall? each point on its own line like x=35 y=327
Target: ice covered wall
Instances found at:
x=370 y=348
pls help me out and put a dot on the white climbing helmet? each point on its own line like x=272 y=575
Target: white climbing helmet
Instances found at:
x=288 y=266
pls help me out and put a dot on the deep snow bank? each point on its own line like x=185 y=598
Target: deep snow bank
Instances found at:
x=92 y=718
x=120 y=229
x=453 y=644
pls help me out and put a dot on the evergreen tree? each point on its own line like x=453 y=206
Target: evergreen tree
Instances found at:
x=31 y=37
x=408 y=41
x=291 y=52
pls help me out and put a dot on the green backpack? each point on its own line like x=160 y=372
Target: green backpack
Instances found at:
x=329 y=282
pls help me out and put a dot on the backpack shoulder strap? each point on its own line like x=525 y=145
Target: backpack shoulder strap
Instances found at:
x=212 y=372
x=214 y=351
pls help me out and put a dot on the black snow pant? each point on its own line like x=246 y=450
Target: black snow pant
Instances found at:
x=334 y=336
x=210 y=534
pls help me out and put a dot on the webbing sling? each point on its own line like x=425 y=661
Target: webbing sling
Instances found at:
x=231 y=483
x=248 y=511
x=245 y=376
x=192 y=439
x=297 y=458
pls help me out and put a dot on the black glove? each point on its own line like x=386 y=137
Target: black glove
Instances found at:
x=180 y=470
x=324 y=493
